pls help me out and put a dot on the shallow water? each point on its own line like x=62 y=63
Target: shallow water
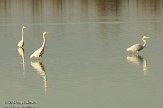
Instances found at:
x=85 y=63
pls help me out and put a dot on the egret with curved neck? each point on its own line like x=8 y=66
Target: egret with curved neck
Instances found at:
x=21 y=43
x=38 y=53
x=138 y=47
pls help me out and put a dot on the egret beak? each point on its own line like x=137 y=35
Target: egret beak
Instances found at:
x=47 y=34
x=145 y=37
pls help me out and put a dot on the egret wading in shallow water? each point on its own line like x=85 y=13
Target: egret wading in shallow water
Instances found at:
x=138 y=47
x=38 y=53
x=21 y=43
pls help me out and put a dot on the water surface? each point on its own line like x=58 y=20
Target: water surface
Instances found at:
x=85 y=64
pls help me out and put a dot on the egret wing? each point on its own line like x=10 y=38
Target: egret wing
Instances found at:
x=36 y=53
x=135 y=47
x=21 y=43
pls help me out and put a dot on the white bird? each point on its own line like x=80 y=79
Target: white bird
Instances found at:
x=38 y=53
x=21 y=43
x=137 y=47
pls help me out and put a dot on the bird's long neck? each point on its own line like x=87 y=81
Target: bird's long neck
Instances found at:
x=44 y=41
x=144 y=42
x=22 y=33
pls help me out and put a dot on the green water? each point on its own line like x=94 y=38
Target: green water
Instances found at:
x=85 y=63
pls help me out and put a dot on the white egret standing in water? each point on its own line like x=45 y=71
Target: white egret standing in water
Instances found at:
x=38 y=53
x=137 y=47
x=21 y=43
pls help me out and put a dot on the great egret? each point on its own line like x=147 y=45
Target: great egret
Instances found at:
x=137 y=47
x=38 y=53
x=21 y=43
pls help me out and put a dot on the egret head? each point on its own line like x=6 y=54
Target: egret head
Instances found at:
x=45 y=33
x=23 y=27
x=145 y=37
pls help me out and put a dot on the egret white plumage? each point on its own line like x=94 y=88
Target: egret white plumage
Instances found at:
x=38 y=53
x=21 y=43
x=138 y=47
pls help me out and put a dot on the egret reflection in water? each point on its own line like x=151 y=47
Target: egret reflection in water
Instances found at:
x=39 y=67
x=139 y=60
x=21 y=53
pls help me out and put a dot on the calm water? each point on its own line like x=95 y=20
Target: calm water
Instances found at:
x=85 y=64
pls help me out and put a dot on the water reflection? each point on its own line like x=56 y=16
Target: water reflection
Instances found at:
x=61 y=10
x=139 y=60
x=39 y=67
x=21 y=53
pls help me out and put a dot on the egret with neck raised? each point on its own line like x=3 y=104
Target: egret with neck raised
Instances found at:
x=38 y=53
x=21 y=43
x=138 y=47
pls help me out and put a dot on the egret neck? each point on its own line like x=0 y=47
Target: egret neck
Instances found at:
x=22 y=32
x=144 y=42
x=43 y=45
